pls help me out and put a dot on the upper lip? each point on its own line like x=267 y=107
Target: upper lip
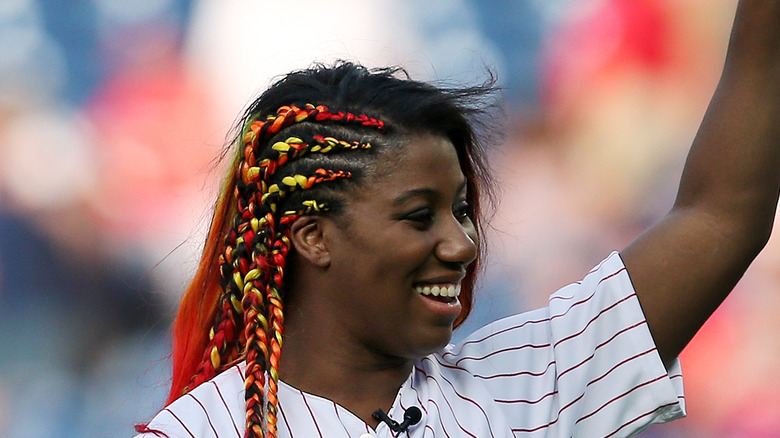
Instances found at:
x=443 y=279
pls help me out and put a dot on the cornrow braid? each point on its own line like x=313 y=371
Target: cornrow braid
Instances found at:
x=287 y=115
x=253 y=259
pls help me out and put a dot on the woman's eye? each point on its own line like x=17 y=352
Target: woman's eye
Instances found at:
x=462 y=211
x=423 y=216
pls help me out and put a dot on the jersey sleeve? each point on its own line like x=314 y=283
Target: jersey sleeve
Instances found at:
x=584 y=366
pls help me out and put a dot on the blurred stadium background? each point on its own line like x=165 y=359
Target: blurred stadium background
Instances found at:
x=113 y=114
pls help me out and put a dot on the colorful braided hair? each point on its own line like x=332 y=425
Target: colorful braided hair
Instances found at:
x=299 y=144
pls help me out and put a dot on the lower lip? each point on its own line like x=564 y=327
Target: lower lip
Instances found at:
x=448 y=309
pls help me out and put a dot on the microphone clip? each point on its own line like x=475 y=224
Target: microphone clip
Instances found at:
x=412 y=416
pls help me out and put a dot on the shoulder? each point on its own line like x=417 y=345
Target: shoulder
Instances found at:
x=605 y=287
x=213 y=409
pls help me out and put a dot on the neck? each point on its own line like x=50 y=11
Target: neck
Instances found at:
x=317 y=360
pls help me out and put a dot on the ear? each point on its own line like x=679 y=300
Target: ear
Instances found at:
x=307 y=239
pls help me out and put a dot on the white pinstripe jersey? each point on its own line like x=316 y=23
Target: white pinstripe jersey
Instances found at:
x=585 y=366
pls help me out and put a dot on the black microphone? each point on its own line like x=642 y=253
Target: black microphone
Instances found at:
x=412 y=416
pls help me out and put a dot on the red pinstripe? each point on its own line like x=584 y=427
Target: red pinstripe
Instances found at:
x=284 y=418
x=503 y=350
x=496 y=376
x=205 y=412
x=590 y=297
x=638 y=418
x=530 y=402
x=598 y=315
x=587 y=359
x=462 y=397
x=313 y=418
x=438 y=409
x=224 y=403
x=428 y=377
x=180 y=422
x=336 y=409
x=508 y=329
x=619 y=397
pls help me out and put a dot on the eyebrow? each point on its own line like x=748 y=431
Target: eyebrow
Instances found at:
x=421 y=192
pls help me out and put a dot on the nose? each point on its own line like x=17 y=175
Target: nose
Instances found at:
x=458 y=243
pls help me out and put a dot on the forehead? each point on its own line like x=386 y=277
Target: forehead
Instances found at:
x=422 y=162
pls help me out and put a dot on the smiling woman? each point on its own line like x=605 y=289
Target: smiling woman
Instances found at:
x=344 y=249
x=334 y=215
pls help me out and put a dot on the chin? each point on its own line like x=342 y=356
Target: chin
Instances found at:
x=433 y=344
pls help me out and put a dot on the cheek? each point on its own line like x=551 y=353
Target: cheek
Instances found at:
x=393 y=267
x=396 y=261
x=383 y=257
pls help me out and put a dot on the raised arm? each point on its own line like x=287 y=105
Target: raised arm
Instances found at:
x=685 y=266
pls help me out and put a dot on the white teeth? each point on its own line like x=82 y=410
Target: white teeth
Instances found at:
x=444 y=290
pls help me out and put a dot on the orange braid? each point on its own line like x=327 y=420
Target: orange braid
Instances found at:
x=276 y=316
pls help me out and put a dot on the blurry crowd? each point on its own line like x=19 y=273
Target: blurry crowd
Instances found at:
x=114 y=114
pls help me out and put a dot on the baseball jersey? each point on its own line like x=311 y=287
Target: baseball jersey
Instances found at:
x=583 y=366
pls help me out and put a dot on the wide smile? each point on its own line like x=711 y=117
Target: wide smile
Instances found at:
x=440 y=299
x=446 y=292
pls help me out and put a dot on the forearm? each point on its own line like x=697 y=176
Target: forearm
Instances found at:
x=733 y=169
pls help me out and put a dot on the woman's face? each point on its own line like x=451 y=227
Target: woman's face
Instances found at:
x=405 y=237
